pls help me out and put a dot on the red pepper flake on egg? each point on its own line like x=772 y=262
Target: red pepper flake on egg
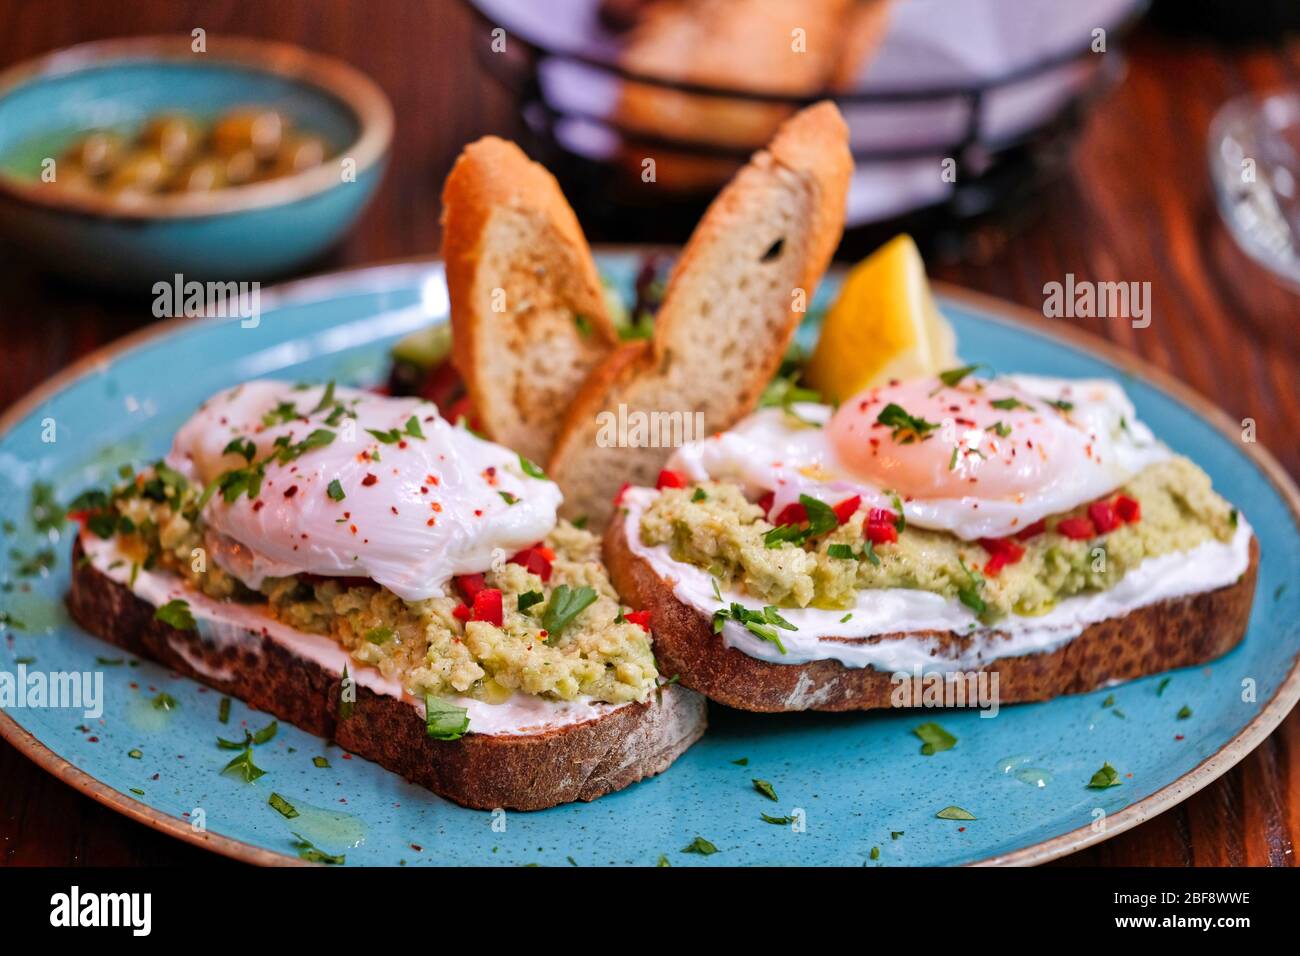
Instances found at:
x=369 y=480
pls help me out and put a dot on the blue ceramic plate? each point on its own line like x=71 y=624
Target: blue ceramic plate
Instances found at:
x=859 y=780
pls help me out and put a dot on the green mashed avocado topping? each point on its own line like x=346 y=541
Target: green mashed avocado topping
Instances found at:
x=721 y=531
x=423 y=645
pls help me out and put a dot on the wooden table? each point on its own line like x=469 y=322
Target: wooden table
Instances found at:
x=1135 y=206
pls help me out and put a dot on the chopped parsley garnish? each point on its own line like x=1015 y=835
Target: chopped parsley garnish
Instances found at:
x=312 y=854
x=1061 y=404
x=164 y=701
x=955 y=375
x=1184 y=712
x=443 y=720
x=413 y=427
x=531 y=469
x=346 y=703
x=379 y=635
x=741 y=762
x=1106 y=777
x=900 y=523
x=783 y=393
x=701 y=846
x=283 y=413
x=43 y=509
x=326 y=398
x=895 y=834
x=566 y=604
x=508 y=498
x=846 y=617
x=225 y=744
x=821 y=519
x=699 y=495
x=283 y=806
x=759 y=623
x=842 y=551
x=241 y=446
x=780 y=821
x=580 y=521
x=1160 y=688
x=135 y=754
x=765 y=788
x=663 y=861
x=529 y=598
x=390 y=437
x=176 y=613
x=999 y=428
x=243 y=766
x=969 y=593
x=223 y=710
x=875 y=853
x=934 y=739
x=335 y=490
x=320 y=762
x=266 y=733
x=905 y=428
x=955 y=813
x=1109 y=701
x=1010 y=403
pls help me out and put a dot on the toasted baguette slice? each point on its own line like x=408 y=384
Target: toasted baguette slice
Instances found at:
x=1159 y=637
x=733 y=302
x=528 y=313
x=580 y=761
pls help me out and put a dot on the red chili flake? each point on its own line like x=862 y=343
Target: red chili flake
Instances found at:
x=640 y=618
x=401 y=444
x=257 y=505
x=436 y=506
x=487 y=606
x=431 y=479
x=1103 y=516
x=430 y=522
x=847 y=508
x=1128 y=509
x=352 y=528
x=478 y=512
x=1033 y=531
x=424 y=489
x=417 y=848
x=393 y=508
x=670 y=479
x=93 y=740
x=1076 y=529
x=291 y=491
x=369 y=480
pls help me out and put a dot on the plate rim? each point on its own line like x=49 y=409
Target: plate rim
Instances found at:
x=988 y=306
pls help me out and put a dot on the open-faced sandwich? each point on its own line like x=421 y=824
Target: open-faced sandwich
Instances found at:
x=946 y=524
x=360 y=567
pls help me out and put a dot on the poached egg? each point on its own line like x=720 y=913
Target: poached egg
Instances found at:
x=979 y=458
x=343 y=482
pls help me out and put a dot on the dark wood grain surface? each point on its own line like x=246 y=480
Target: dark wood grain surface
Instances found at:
x=1135 y=205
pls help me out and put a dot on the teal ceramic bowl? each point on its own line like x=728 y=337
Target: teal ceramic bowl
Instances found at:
x=244 y=232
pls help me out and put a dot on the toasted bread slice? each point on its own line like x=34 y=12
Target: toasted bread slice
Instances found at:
x=528 y=313
x=733 y=302
x=1158 y=637
x=525 y=771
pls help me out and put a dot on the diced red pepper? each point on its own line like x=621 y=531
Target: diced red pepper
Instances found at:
x=544 y=551
x=1033 y=530
x=618 y=498
x=1103 y=516
x=670 y=479
x=1077 y=529
x=765 y=502
x=487 y=606
x=1002 y=551
x=470 y=585
x=639 y=618
x=535 y=560
x=461 y=612
x=793 y=513
x=881 y=526
x=1128 y=509
x=847 y=508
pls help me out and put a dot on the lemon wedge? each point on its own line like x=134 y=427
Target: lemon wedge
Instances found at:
x=883 y=325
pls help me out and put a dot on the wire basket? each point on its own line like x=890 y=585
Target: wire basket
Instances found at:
x=978 y=156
